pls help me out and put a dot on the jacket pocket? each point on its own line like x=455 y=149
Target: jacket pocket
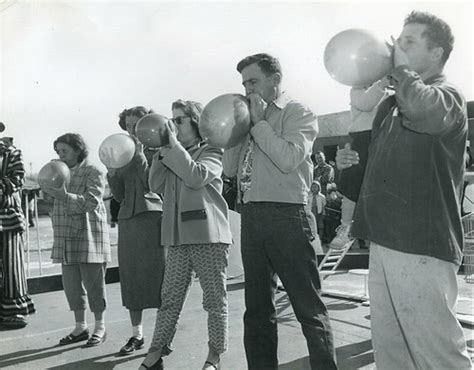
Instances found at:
x=198 y=214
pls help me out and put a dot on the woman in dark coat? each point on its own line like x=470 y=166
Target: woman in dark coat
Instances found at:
x=140 y=254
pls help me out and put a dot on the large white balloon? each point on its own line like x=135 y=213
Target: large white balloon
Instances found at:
x=356 y=57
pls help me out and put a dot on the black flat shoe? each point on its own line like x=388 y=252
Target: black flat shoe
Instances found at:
x=68 y=339
x=132 y=345
x=158 y=365
x=95 y=340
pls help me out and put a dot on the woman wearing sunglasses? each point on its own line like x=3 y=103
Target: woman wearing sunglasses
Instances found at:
x=195 y=229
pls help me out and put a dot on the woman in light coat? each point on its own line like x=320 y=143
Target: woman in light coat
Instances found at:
x=196 y=229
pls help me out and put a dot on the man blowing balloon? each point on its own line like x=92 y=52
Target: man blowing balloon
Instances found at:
x=409 y=205
x=274 y=173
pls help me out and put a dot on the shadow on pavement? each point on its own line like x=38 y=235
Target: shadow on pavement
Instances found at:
x=355 y=355
x=93 y=363
x=25 y=356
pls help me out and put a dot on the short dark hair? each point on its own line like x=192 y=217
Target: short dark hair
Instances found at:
x=437 y=32
x=267 y=63
x=76 y=142
x=192 y=109
x=138 y=111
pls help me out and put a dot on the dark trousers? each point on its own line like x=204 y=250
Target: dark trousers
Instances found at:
x=275 y=240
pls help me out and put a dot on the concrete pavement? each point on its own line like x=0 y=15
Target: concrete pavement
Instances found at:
x=35 y=347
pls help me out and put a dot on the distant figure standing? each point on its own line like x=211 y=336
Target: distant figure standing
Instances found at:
x=15 y=302
x=318 y=206
x=323 y=172
x=114 y=212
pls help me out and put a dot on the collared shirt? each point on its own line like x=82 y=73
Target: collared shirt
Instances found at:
x=282 y=169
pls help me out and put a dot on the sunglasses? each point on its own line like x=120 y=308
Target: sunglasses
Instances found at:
x=179 y=120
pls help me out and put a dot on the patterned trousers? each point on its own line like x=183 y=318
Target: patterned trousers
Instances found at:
x=209 y=261
x=14 y=297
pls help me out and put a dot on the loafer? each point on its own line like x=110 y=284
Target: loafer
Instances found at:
x=132 y=345
x=14 y=322
x=95 y=340
x=158 y=365
x=68 y=339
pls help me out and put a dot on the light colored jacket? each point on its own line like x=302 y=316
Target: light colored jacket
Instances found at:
x=194 y=211
x=80 y=229
x=282 y=167
x=129 y=187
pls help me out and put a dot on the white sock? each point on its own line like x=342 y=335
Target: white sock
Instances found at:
x=138 y=331
x=80 y=327
x=99 y=327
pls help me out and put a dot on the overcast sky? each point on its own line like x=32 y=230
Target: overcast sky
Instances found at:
x=73 y=66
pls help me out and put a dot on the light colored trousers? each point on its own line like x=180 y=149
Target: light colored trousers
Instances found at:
x=84 y=282
x=412 y=312
x=209 y=261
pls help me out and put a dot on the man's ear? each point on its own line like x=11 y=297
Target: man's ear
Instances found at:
x=277 y=78
x=437 y=53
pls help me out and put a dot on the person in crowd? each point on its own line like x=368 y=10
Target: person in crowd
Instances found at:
x=114 y=212
x=332 y=213
x=196 y=230
x=141 y=257
x=15 y=302
x=318 y=206
x=274 y=173
x=323 y=172
x=364 y=102
x=81 y=238
x=409 y=205
x=28 y=206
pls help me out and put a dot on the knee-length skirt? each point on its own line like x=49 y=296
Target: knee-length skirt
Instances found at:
x=141 y=260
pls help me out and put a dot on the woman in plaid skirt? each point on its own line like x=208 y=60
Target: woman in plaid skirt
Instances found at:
x=81 y=238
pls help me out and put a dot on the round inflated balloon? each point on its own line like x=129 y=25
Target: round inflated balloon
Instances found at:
x=151 y=130
x=54 y=174
x=117 y=150
x=356 y=57
x=225 y=121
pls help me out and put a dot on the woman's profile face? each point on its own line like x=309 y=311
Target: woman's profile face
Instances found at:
x=67 y=154
x=186 y=130
x=130 y=124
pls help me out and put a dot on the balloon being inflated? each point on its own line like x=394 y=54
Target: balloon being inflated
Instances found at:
x=356 y=57
x=225 y=121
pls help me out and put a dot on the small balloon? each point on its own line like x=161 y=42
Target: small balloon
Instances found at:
x=151 y=130
x=54 y=174
x=225 y=121
x=356 y=57
x=117 y=150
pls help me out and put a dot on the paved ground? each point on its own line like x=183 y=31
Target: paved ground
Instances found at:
x=35 y=346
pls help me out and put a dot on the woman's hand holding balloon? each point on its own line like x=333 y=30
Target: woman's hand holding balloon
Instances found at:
x=58 y=193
